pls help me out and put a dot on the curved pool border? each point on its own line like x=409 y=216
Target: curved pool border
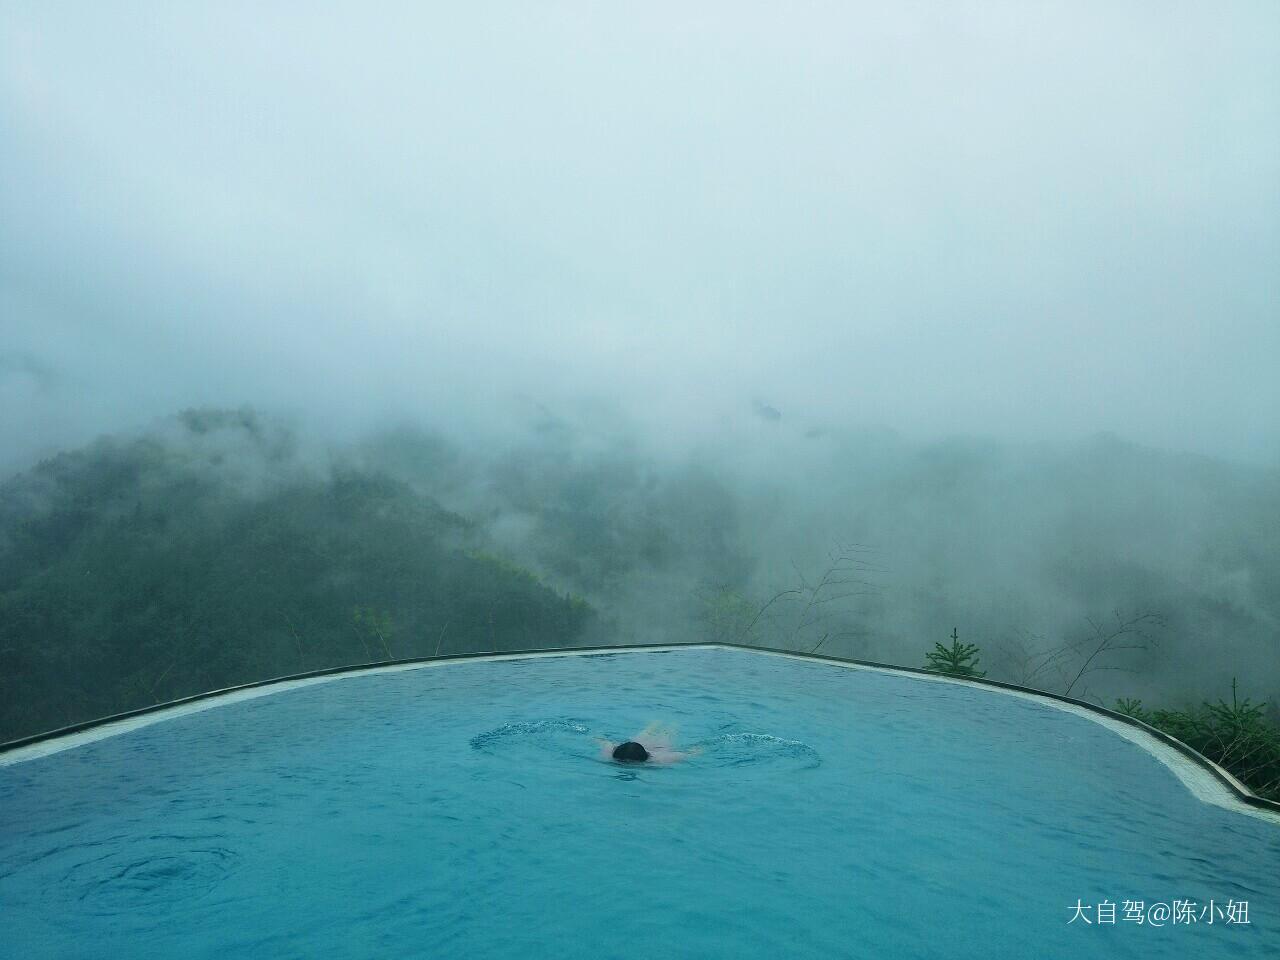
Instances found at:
x=1206 y=780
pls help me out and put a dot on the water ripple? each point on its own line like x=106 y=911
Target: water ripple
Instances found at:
x=556 y=735
x=757 y=749
x=153 y=871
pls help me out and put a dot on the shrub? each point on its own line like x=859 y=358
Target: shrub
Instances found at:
x=1236 y=736
x=957 y=660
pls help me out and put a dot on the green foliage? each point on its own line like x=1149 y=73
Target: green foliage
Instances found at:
x=1131 y=708
x=1237 y=736
x=132 y=573
x=957 y=660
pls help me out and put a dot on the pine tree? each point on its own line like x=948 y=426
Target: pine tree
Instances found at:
x=958 y=660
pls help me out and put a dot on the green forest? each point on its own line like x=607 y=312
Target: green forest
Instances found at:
x=135 y=572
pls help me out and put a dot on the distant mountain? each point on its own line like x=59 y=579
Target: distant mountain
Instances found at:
x=209 y=553
x=221 y=547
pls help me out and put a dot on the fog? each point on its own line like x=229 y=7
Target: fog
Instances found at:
x=987 y=289
x=989 y=219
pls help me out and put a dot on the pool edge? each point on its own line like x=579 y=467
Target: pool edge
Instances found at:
x=1227 y=791
x=1215 y=785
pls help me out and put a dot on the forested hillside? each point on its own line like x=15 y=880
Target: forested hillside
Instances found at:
x=221 y=547
x=209 y=555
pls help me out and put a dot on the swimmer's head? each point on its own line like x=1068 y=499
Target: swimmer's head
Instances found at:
x=630 y=752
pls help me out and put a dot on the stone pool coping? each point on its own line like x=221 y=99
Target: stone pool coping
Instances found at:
x=1206 y=780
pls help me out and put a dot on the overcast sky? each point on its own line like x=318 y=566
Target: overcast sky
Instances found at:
x=1022 y=221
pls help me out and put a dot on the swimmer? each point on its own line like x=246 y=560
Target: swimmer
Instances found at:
x=653 y=744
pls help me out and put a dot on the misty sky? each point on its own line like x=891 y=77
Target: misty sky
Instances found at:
x=1022 y=221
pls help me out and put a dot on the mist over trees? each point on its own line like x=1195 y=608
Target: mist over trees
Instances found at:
x=221 y=547
x=206 y=555
x=1029 y=548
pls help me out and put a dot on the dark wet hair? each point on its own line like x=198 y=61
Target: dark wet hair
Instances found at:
x=630 y=752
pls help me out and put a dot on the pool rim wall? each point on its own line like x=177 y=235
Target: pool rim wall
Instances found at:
x=1238 y=790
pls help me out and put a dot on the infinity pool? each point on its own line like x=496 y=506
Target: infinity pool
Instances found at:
x=462 y=810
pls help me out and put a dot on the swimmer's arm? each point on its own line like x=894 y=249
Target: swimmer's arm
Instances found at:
x=673 y=756
x=606 y=748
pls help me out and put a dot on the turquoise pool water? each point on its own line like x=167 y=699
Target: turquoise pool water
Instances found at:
x=463 y=811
